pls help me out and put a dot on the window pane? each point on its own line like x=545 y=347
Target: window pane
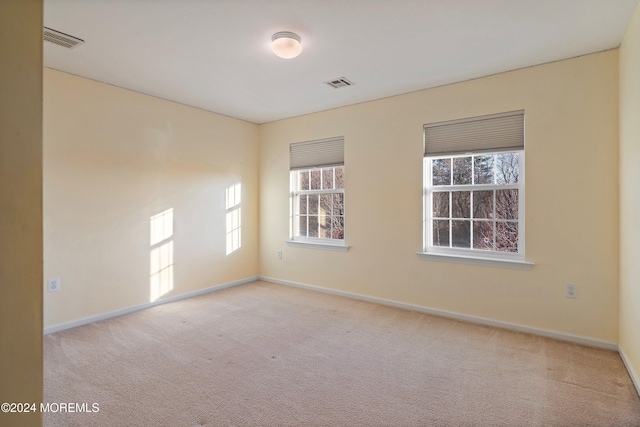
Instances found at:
x=302 y=205
x=461 y=234
x=313 y=226
x=483 y=235
x=327 y=178
x=315 y=179
x=461 y=170
x=507 y=168
x=324 y=223
x=340 y=177
x=303 y=179
x=338 y=204
x=303 y=226
x=507 y=204
x=507 y=236
x=483 y=204
x=441 y=171
x=313 y=204
x=440 y=233
x=460 y=204
x=337 y=230
x=483 y=169
x=441 y=204
x=326 y=204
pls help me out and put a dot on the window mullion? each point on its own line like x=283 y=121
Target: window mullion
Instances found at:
x=450 y=219
x=473 y=170
x=495 y=228
x=480 y=187
x=315 y=192
x=471 y=218
x=451 y=171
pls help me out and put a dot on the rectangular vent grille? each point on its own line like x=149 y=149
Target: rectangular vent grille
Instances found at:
x=61 y=39
x=339 y=82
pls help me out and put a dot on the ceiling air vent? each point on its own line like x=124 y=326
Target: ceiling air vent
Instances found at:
x=339 y=82
x=61 y=39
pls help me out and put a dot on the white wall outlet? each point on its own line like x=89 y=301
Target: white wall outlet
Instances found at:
x=53 y=284
x=570 y=290
x=279 y=254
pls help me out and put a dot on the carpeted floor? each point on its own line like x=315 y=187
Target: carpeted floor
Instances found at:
x=268 y=355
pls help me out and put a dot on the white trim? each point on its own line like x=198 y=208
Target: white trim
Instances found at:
x=577 y=339
x=635 y=378
x=314 y=245
x=518 y=264
x=127 y=310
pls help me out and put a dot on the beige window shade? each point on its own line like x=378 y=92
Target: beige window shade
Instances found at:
x=497 y=132
x=318 y=153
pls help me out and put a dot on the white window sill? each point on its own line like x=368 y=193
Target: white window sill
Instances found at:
x=341 y=247
x=489 y=262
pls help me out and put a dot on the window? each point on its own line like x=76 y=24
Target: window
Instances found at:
x=475 y=201
x=317 y=177
x=319 y=203
x=474 y=188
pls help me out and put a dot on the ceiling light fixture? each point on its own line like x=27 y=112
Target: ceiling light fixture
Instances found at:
x=286 y=44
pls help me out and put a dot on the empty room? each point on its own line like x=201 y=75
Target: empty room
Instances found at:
x=320 y=213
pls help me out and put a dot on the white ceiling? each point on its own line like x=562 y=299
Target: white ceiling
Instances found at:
x=215 y=54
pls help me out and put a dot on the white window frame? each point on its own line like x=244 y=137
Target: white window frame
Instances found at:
x=305 y=241
x=470 y=255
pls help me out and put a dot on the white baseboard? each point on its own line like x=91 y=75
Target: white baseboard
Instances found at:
x=577 y=339
x=633 y=374
x=131 y=309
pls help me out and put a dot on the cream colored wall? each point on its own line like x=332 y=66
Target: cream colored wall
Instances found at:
x=112 y=159
x=630 y=195
x=21 y=208
x=571 y=112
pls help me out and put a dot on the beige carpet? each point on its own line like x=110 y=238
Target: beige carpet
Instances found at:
x=269 y=355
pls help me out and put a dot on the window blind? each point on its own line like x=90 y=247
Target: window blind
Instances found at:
x=318 y=153
x=496 y=132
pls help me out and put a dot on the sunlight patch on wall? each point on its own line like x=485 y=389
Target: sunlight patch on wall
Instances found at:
x=234 y=217
x=161 y=259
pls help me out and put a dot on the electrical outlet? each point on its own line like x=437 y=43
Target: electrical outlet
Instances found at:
x=279 y=254
x=53 y=284
x=570 y=290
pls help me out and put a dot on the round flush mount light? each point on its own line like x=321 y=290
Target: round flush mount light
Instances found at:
x=286 y=44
